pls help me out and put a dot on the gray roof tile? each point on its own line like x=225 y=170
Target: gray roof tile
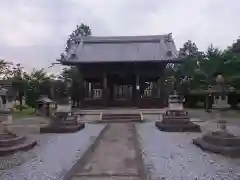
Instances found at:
x=122 y=49
x=44 y=99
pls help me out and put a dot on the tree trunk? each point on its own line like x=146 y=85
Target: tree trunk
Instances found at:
x=20 y=100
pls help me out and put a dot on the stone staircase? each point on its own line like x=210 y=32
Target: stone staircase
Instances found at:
x=120 y=117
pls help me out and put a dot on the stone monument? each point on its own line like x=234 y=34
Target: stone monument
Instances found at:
x=220 y=141
x=176 y=119
x=63 y=121
x=10 y=142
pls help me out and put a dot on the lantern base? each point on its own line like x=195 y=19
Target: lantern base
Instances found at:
x=63 y=123
x=177 y=121
x=219 y=142
x=11 y=143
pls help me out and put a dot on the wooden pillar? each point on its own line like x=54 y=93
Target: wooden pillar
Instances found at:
x=82 y=94
x=105 y=81
x=137 y=92
x=105 y=89
x=159 y=83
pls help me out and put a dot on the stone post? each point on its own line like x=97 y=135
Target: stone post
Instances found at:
x=5 y=112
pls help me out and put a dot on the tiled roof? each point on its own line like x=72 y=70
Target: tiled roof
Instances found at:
x=44 y=99
x=122 y=49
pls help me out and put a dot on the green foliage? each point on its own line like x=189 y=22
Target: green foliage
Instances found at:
x=17 y=114
x=82 y=30
x=20 y=107
x=73 y=76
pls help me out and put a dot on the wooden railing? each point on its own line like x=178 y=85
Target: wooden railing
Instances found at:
x=147 y=93
x=95 y=94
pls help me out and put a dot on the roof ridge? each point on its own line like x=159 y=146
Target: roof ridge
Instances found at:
x=105 y=39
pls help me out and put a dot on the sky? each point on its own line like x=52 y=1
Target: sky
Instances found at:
x=34 y=32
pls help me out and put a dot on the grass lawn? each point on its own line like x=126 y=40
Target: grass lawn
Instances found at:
x=24 y=113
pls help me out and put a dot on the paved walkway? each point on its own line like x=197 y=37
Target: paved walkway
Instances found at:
x=115 y=157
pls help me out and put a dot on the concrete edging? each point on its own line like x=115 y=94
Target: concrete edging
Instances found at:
x=84 y=158
x=141 y=169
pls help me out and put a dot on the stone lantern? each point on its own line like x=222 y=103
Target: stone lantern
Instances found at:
x=220 y=141
x=10 y=142
x=220 y=101
x=64 y=102
x=64 y=121
x=176 y=119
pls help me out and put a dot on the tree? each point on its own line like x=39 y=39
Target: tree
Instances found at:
x=73 y=73
x=38 y=83
x=185 y=72
x=5 y=69
x=83 y=30
x=19 y=83
x=77 y=82
x=189 y=49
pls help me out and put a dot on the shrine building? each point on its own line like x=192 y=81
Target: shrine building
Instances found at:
x=122 y=71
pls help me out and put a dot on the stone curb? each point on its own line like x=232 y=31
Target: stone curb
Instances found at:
x=141 y=169
x=84 y=158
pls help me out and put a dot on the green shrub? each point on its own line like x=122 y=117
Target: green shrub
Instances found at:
x=19 y=107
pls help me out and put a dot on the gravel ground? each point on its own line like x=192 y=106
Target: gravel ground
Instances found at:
x=172 y=156
x=19 y=158
x=51 y=158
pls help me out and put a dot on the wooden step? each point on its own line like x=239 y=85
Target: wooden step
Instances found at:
x=121 y=117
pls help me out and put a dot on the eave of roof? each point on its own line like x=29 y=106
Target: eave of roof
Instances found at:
x=114 y=49
x=121 y=39
x=72 y=62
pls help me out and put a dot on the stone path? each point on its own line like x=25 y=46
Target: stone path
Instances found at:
x=115 y=157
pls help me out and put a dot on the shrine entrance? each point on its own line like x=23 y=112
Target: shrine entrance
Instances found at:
x=121 y=89
x=122 y=85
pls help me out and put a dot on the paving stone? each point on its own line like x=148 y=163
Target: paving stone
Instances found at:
x=115 y=157
x=106 y=178
x=115 y=154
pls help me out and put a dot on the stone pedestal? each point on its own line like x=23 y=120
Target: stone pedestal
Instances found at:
x=219 y=142
x=176 y=119
x=10 y=142
x=63 y=121
x=6 y=116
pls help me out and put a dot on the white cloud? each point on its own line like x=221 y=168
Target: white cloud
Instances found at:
x=35 y=31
